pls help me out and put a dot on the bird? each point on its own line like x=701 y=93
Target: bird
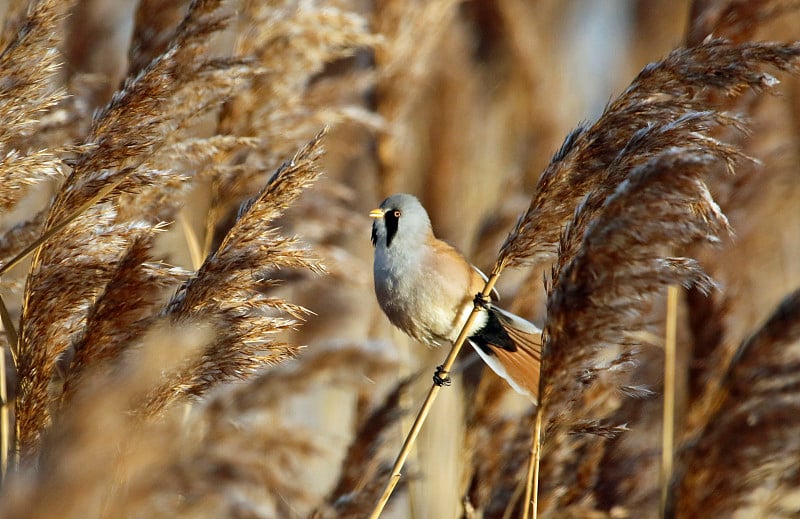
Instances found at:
x=427 y=289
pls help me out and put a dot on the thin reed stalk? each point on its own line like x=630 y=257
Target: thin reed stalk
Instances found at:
x=668 y=428
x=531 y=505
x=5 y=410
x=422 y=415
x=192 y=242
x=5 y=421
x=11 y=331
x=512 y=504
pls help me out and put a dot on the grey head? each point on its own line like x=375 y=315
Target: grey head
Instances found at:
x=400 y=219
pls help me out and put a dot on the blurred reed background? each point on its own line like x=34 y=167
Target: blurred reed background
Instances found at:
x=171 y=348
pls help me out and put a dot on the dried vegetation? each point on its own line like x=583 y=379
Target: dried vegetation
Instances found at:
x=189 y=324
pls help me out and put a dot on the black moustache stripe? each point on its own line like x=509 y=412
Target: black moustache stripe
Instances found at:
x=392 y=222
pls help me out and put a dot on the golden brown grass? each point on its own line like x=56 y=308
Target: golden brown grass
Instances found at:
x=190 y=329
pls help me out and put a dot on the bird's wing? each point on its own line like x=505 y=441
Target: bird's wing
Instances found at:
x=520 y=367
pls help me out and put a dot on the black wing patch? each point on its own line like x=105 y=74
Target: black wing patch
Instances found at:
x=493 y=334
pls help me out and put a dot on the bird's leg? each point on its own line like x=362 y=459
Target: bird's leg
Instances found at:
x=440 y=376
x=482 y=301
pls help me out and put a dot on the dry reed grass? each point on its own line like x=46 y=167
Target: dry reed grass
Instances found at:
x=169 y=203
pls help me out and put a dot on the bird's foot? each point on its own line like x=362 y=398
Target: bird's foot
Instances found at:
x=481 y=301
x=441 y=377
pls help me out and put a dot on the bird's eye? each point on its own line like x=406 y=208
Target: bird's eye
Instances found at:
x=396 y=213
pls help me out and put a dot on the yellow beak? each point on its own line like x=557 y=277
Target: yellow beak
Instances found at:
x=377 y=213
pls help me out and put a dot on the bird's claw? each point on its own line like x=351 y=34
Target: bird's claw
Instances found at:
x=440 y=377
x=481 y=301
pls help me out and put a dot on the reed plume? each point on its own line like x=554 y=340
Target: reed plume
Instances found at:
x=125 y=134
x=29 y=91
x=674 y=91
x=122 y=313
x=749 y=431
x=606 y=287
x=231 y=290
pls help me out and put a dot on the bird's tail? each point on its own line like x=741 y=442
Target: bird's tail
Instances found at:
x=513 y=350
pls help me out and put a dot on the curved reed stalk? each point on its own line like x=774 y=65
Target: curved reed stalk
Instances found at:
x=427 y=404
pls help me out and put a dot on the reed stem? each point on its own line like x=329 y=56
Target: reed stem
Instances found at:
x=422 y=415
x=668 y=429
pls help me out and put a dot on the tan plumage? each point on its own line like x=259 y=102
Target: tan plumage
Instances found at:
x=426 y=288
